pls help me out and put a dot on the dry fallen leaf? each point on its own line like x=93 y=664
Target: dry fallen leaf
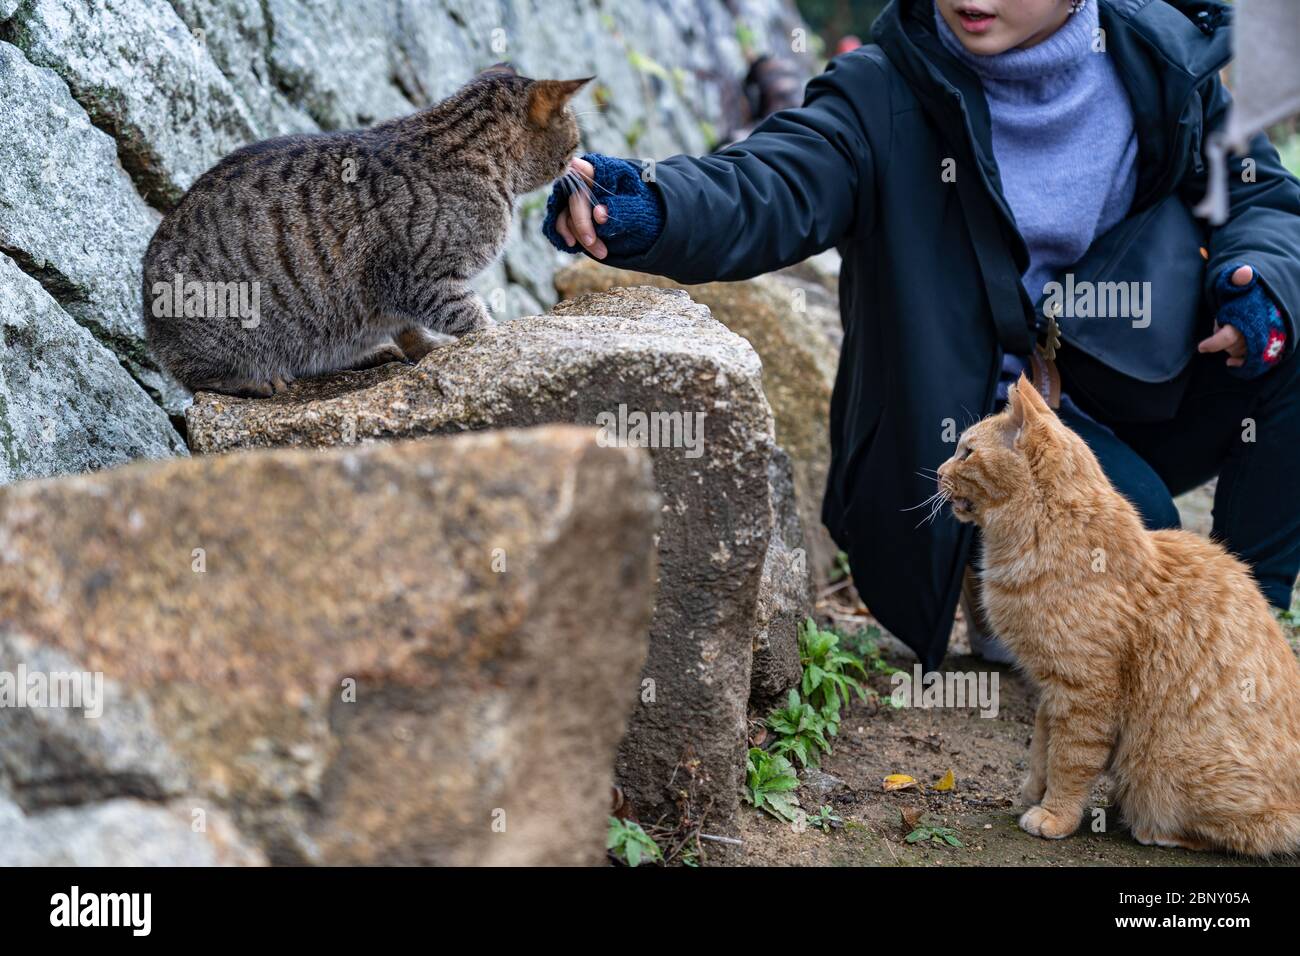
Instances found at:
x=947 y=783
x=911 y=817
x=898 y=781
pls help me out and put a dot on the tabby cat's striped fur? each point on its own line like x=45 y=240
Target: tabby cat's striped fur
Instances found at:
x=359 y=243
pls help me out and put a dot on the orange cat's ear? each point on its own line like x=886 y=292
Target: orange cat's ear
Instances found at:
x=548 y=97
x=1025 y=405
x=1016 y=402
x=1034 y=404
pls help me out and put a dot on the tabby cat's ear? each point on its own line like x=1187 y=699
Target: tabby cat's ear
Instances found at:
x=548 y=97
x=504 y=67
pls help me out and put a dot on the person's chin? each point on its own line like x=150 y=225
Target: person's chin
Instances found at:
x=991 y=39
x=985 y=44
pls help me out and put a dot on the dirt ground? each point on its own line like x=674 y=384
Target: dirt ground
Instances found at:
x=987 y=757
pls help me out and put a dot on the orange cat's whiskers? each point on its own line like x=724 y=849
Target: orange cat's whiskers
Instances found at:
x=928 y=501
x=935 y=503
x=944 y=498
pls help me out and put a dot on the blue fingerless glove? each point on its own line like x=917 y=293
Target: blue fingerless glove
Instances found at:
x=636 y=214
x=1250 y=310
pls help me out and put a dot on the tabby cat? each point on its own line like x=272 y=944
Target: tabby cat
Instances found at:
x=1156 y=657
x=308 y=254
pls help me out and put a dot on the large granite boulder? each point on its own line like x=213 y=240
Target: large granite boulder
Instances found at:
x=121 y=832
x=70 y=217
x=172 y=120
x=604 y=360
x=790 y=319
x=411 y=653
x=66 y=403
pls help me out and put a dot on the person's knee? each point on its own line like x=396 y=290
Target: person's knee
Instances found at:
x=1137 y=482
x=1154 y=504
x=1161 y=513
x=1132 y=476
x=1277 y=591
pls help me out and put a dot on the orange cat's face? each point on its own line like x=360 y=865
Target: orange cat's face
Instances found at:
x=1008 y=462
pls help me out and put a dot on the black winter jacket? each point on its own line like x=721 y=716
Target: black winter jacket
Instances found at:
x=930 y=290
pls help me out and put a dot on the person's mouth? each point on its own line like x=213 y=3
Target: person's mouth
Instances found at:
x=974 y=20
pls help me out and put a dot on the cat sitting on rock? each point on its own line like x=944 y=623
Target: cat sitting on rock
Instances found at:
x=309 y=254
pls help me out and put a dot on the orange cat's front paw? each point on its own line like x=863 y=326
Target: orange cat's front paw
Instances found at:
x=1041 y=822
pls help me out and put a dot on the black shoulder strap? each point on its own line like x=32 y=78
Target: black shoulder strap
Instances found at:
x=1007 y=297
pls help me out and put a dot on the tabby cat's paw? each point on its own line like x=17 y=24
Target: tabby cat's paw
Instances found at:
x=382 y=355
x=417 y=343
x=239 y=387
x=1041 y=822
x=1032 y=791
x=485 y=321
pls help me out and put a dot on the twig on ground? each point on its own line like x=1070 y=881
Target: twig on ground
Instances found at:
x=721 y=839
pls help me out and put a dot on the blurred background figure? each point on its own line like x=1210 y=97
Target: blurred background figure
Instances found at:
x=1265 y=82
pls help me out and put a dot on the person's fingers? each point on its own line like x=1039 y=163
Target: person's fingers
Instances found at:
x=1236 y=362
x=580 y=219
x=562 y=227
x=580 y=212
x=1220 y=340
x=1243 y=276
x=600 y=214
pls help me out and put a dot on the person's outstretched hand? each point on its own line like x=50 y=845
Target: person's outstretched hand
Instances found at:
x=603 y=206
x=577 y=223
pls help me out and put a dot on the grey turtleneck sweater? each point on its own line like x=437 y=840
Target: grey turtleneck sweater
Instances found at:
x=1063 y=139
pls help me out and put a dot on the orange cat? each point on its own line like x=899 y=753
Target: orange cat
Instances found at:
x=1156 y=657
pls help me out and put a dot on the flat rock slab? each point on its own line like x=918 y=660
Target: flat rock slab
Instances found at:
x=602 y=360
x=791 y=318
x=412 y=653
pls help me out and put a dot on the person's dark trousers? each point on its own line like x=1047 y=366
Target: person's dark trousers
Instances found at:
x=1247 y=433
